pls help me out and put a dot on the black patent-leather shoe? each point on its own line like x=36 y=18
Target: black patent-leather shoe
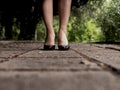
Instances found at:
x=49 y=47
x=61 y=47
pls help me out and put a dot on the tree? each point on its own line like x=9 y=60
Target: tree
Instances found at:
x=21 y=12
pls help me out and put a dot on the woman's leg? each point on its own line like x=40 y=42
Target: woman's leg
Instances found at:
x=48 y=19
x=64 y=7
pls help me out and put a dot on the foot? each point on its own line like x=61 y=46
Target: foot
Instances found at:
x=49 y=42
x=62 y=41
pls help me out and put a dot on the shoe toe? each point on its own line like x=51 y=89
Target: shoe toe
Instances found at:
x=61 y=47
x=49 y=47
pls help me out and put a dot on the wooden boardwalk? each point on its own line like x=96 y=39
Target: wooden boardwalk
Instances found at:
x=25 y=66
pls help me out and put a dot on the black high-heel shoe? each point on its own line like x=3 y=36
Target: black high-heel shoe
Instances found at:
x=49 y=47
x=61 y=47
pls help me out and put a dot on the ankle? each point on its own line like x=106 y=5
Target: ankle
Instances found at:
x=50 y=39
x=62 y=38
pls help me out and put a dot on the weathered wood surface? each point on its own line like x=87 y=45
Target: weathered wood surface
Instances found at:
x=25 y=66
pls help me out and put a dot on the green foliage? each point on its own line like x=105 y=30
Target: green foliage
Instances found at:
x=97 y=21
x=111 y=22
x=40 y=32
x=83 y=26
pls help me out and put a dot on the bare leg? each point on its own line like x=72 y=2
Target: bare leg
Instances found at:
x=64 y=7
x=48 y=19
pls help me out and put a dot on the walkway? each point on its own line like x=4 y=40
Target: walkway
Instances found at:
x=25 y=66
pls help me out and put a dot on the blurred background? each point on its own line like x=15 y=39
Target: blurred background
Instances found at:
x=96 y=21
